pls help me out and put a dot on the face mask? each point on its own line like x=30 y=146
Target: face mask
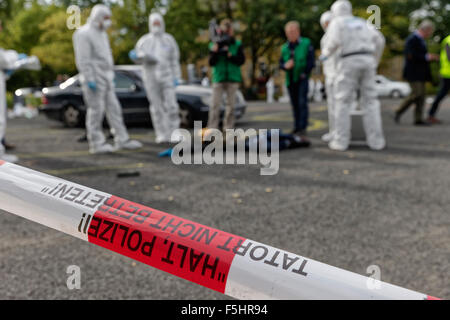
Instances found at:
x=107 y=24
x=156 y=29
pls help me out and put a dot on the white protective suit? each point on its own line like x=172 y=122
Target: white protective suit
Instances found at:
x=329 y=71
x=7 y=60
x=359 y=48
x=95 y=63
x=160 y=55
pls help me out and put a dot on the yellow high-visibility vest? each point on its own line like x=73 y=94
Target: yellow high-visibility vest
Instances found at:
x=445 y=64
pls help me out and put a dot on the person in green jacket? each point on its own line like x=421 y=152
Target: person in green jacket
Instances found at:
x=298 y=60
x=226 y=58
x=445 y=81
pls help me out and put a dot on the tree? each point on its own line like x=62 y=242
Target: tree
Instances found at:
x=54 y=48
x=186 y=20
x=38 y=27
x=130 y=22
x=21 y=33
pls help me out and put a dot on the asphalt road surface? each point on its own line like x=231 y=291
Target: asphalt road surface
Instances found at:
x=350 y=210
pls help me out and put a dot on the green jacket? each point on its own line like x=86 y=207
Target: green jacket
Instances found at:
x=300 y=59
x=445 y=64
x=227 y=69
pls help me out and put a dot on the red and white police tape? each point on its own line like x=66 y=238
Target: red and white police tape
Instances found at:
x=236 y=266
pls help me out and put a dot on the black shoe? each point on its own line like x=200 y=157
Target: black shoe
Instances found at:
x=8 y=146
x=422 y=124
x=299 y=132
x=397 y=118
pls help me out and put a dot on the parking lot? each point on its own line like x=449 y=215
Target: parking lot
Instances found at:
x=350 y=210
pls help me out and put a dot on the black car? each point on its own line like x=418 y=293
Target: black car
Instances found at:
x=65 y=102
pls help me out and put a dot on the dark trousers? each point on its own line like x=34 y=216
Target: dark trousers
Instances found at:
x=416 y=97
x=445 y=87
x=298 y=92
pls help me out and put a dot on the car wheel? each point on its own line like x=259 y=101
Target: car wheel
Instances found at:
x=71 y=116
x=396 y=94
x=186 y=118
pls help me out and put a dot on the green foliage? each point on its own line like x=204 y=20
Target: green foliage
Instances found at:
x=185 y=20
x=39 y=27
x=9 y=100
x=130 y=22
x=54 y=47
x=32 y=101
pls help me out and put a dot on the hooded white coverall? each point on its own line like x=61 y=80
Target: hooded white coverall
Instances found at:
x=329 y=71
x=95 y=63
x=160 y=55
x=359 y=47
x=7 y=60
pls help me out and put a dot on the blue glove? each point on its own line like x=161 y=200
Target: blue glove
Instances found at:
x=132 y=54
x=323 y=58
x=176 y=83
x=22 y=56
x=166 y=153
x=92 y=85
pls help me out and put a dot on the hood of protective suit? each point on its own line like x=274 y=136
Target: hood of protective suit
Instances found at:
x=156 y=17
x=98 y=14
x=324 y=18
x=342 y=8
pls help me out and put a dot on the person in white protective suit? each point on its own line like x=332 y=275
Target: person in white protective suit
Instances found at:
x=358 y=48
x=95 y=63
x=329 y=71
x=159 y=54
x=7 y=60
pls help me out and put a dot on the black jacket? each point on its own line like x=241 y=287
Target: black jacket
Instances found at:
x=417 y=67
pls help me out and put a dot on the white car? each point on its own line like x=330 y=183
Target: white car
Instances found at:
x=392 y=89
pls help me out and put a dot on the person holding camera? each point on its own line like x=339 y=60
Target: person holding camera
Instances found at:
x=226 y=58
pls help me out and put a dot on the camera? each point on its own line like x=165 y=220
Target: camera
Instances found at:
x=217 y=35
